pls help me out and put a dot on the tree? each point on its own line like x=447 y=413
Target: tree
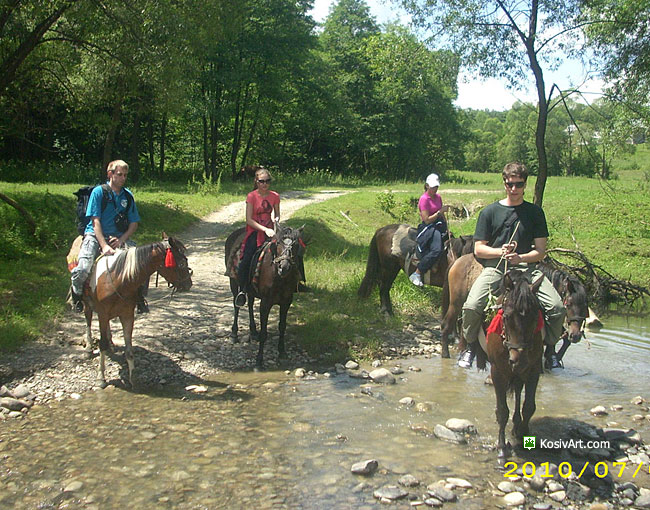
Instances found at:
x=510 y=39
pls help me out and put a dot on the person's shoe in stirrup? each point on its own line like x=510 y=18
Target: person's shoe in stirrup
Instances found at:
x=551 y=361
x=466 y=359
x=416 y=280
x=77 y=301
x=240 y=299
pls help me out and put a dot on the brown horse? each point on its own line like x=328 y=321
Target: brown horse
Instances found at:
x=277 y=262
x=113 y=290
x=515 y=351
x=388 y=254
x=466 y=270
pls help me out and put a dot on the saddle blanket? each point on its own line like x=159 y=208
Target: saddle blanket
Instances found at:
x=404 y=244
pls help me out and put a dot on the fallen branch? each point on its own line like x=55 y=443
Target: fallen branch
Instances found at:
x=348 y=218
x=31 y=224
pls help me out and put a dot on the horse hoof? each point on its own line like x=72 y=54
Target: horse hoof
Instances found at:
x=234 y=338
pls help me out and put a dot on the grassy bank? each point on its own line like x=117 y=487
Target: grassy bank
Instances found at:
x=608 y=221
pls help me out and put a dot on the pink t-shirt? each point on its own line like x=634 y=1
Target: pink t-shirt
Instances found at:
x=262 y=208
x=430 y=204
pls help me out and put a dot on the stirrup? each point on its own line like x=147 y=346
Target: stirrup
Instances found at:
x=240 y=299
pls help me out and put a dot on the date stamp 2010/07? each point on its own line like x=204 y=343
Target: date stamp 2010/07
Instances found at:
x=565 y=469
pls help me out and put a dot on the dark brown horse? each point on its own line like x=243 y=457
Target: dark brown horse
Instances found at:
x=277 y=280
x=515 y=351
x=466 y=270
x=113 y=289
x=388 y=254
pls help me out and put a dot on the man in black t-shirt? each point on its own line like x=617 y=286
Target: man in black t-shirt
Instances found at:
x=513 y=232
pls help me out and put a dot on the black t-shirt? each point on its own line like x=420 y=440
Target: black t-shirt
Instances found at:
x=496 y=224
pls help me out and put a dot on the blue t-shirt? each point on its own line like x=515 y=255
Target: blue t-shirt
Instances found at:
x=116 y=204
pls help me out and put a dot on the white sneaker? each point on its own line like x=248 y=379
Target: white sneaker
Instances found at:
x=416 y=280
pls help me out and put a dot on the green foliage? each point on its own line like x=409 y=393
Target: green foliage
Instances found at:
x=386 y=201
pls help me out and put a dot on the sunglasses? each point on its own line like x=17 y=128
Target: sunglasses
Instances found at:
x=264 y=181
x=518 y=185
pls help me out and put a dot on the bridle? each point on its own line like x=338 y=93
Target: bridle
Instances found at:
x=287 y=253
x=180 y=264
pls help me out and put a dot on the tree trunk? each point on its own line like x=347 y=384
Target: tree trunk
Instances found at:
x=213 y=147
x=206 y=153
x=542 y=118
x=134 y=159
x=31 y=224
x=110 y=136
x=163 y=137
x=152 y=162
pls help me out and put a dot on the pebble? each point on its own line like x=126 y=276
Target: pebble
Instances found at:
x=299 y=373
x=459 y=482
x=507 y=487
x=643 y=501
x=599 y=411
x=407 y=401
x=542 y=506
x=365 y=467
x=514 y=499
x=558 y=496
x=442 y=432
x=390 y=493
x=460 y=425
x=381 y=375
x=73 y=486
x=441 y=493
x=408 y=481
x=638 y=400
x=352 y=365
x=433 y=502
x=423 y=407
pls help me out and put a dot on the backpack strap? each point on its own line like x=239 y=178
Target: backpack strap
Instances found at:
x=107 y=195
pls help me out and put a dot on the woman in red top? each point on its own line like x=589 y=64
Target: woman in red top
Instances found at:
x=262 y=208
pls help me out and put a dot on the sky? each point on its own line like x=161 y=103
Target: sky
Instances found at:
x=492 y=94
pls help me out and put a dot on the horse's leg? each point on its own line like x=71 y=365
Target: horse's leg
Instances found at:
x=529 y=402
x=234 y=288
x=251 y=318
x=261 y=338
x=104 y=332
x=127 y=327
x=387 y=274
x=88 y=346
x=501 y=391
x=284 y=308
x=516 y=415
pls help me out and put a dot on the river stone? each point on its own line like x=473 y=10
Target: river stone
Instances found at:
x=638 y=400
x=73 y=486
x=299 y=373
x=599 y=506
x=407 y=401
x=390 y=492
x=366 y=467
x=408 y=481
x=459 y=482
x=442 y=432
x=352 y=365
x=537 y=483
x=415 y=369
x=376 y=363
x=441 y=493
x=20 y=391
x=381 y=375
x=340 y=369
x=558 y=496
x=554 y=486
x=460 y=425
x=13 y=404
x=507 y=487
x=4 y=392
x=433 y=502
x=423 y=407
x=598 y=411
x=638 y=417
x=616 y=407
x=396 y=370
x=643 y=501
x=578 y=492
x=542 y=506
x=514 y=499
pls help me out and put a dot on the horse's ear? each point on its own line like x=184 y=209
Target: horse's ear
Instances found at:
x=536 y=284
x=507 y=281
x=164 y=235
x=301 y=229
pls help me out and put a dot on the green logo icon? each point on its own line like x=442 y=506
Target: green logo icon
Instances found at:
x=529 y=442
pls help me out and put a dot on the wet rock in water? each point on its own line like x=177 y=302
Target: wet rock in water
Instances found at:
x=643 y=501
x=423 y=407
x=390 y=493
x=514 y=499
x=73 y=486
x=340 y=369
x=366 y=467
x=638 y=400
x=408 y=481
x=558 y=496
x=507 y=487
x=396 y=370
x=537 y=483
x=299 y=373
x=366 y=390
x=14 y=404
x=638 y=417
x=407 y=401
x=542 y=506
x=459 y=482
x=598 y=411
x=381 y=375
x=415 y=369
x=352 y=365
x=616 y=407
x=460 y=425
x=441 y=493
x=443 y=433
x=433 y=502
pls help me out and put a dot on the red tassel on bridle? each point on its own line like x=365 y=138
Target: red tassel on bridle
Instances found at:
x=170 y=261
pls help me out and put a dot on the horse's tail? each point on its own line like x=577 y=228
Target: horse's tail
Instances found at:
x=372 y=270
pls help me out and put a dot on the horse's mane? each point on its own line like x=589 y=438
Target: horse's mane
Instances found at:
x=521 y=297
x=559 y=277
x=130 y=262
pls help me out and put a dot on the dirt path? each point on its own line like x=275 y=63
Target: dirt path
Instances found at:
x=179 y=342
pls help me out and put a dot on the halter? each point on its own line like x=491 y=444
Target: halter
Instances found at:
x=175 y=258
x=287 y=253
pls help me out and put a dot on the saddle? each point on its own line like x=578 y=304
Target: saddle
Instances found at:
x=256 y=261
x=405 y=245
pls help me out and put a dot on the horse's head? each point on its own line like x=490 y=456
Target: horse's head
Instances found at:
x=574 y=297
x=520 y=317
x=287 y=248
x=175 y=268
